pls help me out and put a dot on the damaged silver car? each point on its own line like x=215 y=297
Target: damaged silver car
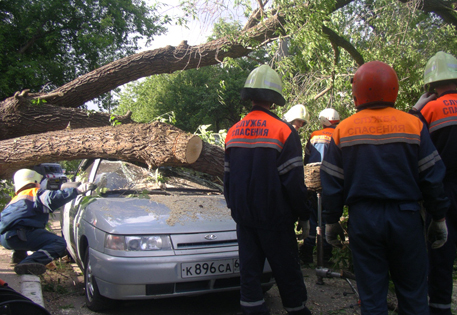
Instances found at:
x=150 y=234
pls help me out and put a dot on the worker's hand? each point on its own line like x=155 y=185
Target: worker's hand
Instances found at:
x=437 y=233
x=332 y=231
x=85 y=187
x=304 y=228
x=424 y=99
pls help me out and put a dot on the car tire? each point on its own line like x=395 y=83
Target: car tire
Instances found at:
x=94 y=300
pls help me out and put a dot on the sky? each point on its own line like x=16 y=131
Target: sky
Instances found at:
x=196 y=32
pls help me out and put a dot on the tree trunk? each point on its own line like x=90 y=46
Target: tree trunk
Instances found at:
x=18 y=117
x=152 y=144
x=211 y=161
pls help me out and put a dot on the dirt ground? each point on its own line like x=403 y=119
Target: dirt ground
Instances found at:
x=63 y=293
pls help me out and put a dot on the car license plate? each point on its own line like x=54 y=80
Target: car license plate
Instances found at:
x=207 y=268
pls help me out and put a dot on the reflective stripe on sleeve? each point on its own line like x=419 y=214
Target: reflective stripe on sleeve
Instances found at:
x=290 y=164
x=429 y=161
x=332 y=170
x=42 y=198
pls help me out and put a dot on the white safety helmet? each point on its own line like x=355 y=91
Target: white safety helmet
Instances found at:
x=328 y=117
x=297 y=112
x=24 y=177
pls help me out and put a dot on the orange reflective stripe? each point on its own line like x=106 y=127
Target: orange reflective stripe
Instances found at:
x=378 y=126
x=258 y=129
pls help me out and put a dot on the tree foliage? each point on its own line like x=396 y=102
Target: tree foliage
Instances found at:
x=204 y=96
x=316 y=46
x=47 y=43
x=326 y=47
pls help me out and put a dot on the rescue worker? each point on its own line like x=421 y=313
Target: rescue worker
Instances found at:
x=23 y=221
x=264 y=188
x=297 y=116
x=314 y=153
x=381 y=163
x=437 y=108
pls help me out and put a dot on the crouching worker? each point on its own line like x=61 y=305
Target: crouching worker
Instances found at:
x=23 y=221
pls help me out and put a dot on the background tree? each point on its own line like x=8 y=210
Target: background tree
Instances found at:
x=47 y=43
x=325 y=49
x=328 y=40
x=205 y=96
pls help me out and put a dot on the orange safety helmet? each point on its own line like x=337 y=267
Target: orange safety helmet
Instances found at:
x=373 y=82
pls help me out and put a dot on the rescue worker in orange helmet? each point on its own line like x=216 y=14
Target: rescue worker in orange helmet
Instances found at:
x=264 y=188
x=314 y=153
x=381 y=163
x=23 y=221
x=437 y=108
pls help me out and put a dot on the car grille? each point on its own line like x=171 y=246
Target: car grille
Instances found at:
x=200 y=285
x=206 y=244
x=204 y=240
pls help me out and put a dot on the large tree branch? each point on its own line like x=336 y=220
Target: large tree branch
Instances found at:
x=447 y=10
x=152 y=144
x=339 y=41
x=19 y=117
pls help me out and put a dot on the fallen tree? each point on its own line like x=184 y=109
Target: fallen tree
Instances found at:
x=155 y=144
x=29 y=121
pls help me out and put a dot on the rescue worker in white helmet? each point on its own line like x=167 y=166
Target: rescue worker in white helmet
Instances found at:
x=382 y=169
x=23 y=221
x=314 y=152
x=297 y=116
x=437 y=108
x=264 y=188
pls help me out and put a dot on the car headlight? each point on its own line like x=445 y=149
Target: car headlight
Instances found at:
x=137 y=242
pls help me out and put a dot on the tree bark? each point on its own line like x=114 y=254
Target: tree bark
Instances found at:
x=20 y=118
x=211 y=161
x=142 y=143
x=152 y=144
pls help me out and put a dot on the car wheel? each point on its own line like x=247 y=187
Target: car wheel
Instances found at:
x=94 y=300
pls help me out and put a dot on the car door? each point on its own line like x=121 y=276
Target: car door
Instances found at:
x=71 y=211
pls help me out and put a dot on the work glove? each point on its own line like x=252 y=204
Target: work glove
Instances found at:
x=304 y=228
x=424 y=99
x=85 y=187
x=437 y=233
x=331 y=234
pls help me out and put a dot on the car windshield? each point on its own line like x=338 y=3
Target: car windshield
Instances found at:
x=119 y=175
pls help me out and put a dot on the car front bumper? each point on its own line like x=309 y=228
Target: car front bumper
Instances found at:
x=129 y=278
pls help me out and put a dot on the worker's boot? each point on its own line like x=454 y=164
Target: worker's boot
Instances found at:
x=306 y=254
x=18 y=255
x=30 y=269
x=327 y=256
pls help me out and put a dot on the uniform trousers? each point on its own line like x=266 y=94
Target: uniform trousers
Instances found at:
x=441 y=260
x=280 y=249
x=46 y=245
x=387 y=238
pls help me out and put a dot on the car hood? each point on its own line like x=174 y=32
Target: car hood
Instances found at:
x=159 y=214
